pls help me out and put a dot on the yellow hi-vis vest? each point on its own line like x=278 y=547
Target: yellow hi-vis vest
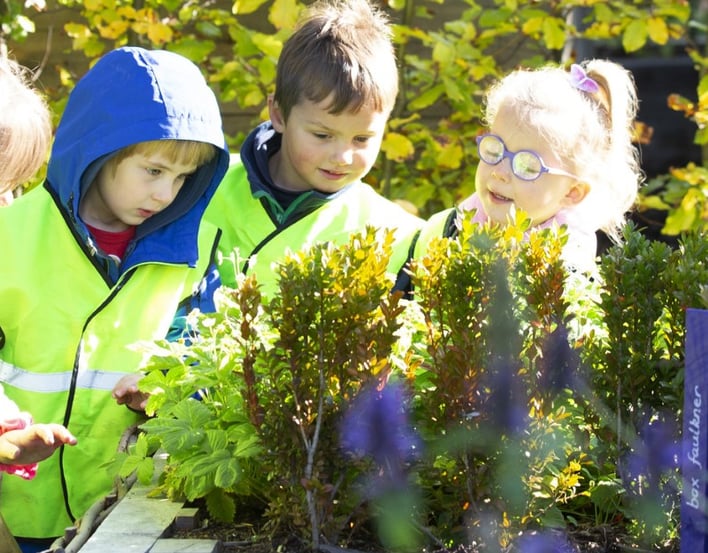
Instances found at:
x=68 y=338
x=259 y=241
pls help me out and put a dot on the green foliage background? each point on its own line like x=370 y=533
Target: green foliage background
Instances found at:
x=429 y=155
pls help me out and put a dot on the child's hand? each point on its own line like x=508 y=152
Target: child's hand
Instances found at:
x=33 y=444
x=126 y=392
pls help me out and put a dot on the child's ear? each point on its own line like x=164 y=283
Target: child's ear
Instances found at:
x=576 y=193
x=276 y=116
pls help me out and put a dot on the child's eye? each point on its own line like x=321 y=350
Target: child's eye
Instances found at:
x=153 y=172
x=321 y=135
x=362 y=139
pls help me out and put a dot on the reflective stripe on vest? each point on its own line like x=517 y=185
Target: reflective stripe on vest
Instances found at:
x=57 y=382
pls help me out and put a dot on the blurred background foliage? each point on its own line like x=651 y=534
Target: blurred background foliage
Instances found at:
x=448 y=53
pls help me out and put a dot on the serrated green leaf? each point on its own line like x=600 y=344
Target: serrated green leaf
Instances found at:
x=146 y=470
x=248 y=447
x=221 y=506
x=141 y=445
x=227 y=474
x=217 y=439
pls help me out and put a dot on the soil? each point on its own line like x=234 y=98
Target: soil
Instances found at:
x=246 y=537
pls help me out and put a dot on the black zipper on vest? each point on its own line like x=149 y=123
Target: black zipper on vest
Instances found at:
x=72 y=388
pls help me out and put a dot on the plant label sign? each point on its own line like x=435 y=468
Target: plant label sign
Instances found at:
x=694 y=457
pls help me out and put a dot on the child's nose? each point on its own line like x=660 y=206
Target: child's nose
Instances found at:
x=164 y=191
x=343 y=155
x=502 y=171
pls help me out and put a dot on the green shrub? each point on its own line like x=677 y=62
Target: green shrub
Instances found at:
x=509 y=395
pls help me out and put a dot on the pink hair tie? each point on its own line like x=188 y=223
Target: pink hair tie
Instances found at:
x=27 y=472
x=579 y=79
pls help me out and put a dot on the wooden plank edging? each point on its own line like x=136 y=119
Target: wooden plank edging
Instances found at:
x=136 y=523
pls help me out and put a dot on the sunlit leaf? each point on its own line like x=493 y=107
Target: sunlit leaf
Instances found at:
x=654 y=202
x=658 y=30
x=427 y=98
x=115 y=29
x=397 y=147
x=678 y=221
x=677 y=102
x=283 y=14
x=268 y=44
x=241 y=7
x=443 y=53
x=450 y=155
x=635 y=36
x=145 y=469
x=159 y=33
x=193 y=49
x=554 y=33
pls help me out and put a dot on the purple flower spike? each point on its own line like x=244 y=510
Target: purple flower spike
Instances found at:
x=656 y=451
x=376 y=425
x=580 y=80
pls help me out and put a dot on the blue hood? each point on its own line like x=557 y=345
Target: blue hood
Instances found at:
x=134 y=95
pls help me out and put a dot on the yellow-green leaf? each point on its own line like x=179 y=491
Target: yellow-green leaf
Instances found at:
x=160 y=34
x=268 y=44
x=397 y=147
x=115 y=29
x=679 y=220
x=195 y=50
x=603 y=12
x=450 y=156
x=532 y=26
x=241 y=7
x=76 y=30
x=553 y=33
x=658 y=30
x=283 y=14
x=253 y=98
x=654 y=202
x=443 y=53
x=93 y=5
x=635 y=36
x=427 y=99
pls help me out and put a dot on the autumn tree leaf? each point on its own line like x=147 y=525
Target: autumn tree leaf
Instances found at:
x=635 y=36
x=397 y=147
x=658 y=30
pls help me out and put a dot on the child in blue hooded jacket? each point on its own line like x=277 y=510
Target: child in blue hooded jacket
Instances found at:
x=114 y=247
